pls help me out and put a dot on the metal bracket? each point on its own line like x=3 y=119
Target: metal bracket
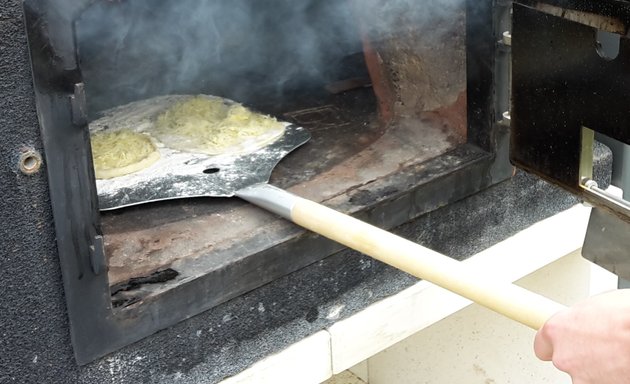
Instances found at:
x=607 y=243
x=592 y=193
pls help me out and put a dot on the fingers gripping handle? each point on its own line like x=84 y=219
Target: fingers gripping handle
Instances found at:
x=507 y=299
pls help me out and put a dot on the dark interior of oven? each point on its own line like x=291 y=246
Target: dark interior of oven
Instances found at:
x=381 y=85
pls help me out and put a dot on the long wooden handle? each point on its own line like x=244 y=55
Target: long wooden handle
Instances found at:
x=514 y=302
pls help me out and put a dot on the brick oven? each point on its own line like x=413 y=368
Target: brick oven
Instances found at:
x=399 y=100
x=407 y=103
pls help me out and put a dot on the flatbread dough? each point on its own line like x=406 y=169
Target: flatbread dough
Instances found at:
x=121 y=152
x=214 y=127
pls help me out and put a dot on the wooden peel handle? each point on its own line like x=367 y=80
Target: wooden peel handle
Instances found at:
x=512 y=301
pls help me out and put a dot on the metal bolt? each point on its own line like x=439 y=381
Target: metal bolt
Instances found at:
x=30 y=161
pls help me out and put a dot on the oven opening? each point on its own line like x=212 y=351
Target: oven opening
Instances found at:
x=381 y=88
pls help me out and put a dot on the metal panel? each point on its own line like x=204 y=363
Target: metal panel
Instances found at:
x=561 y=84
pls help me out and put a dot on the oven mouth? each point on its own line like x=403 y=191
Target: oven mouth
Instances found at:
x=377 y=101
x=350 y=151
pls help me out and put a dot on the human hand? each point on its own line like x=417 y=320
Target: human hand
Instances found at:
x=590 y=340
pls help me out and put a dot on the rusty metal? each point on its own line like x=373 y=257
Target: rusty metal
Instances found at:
x=594 y=20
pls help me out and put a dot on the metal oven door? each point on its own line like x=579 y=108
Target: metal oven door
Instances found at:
x=571 y=80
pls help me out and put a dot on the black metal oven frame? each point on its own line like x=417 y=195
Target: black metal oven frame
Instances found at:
x=96 y=329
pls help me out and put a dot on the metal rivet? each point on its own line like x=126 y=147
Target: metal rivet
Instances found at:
x=506 y=118
x=507 y=38
x=30 y=162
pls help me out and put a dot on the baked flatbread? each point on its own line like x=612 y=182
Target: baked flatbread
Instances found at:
x=121 y=152
x=214 y=127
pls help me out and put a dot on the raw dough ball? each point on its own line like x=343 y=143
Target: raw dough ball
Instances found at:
x=211 y=126
x=118 y=153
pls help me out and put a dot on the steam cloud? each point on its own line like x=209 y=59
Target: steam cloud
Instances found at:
x=246 y=50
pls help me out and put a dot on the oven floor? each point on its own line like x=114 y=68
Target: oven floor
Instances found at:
x=349 y=149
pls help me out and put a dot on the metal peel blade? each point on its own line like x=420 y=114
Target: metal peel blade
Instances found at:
x=182 y=175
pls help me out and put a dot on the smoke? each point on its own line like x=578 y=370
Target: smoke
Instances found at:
x=385 y=18
x=247 y=50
